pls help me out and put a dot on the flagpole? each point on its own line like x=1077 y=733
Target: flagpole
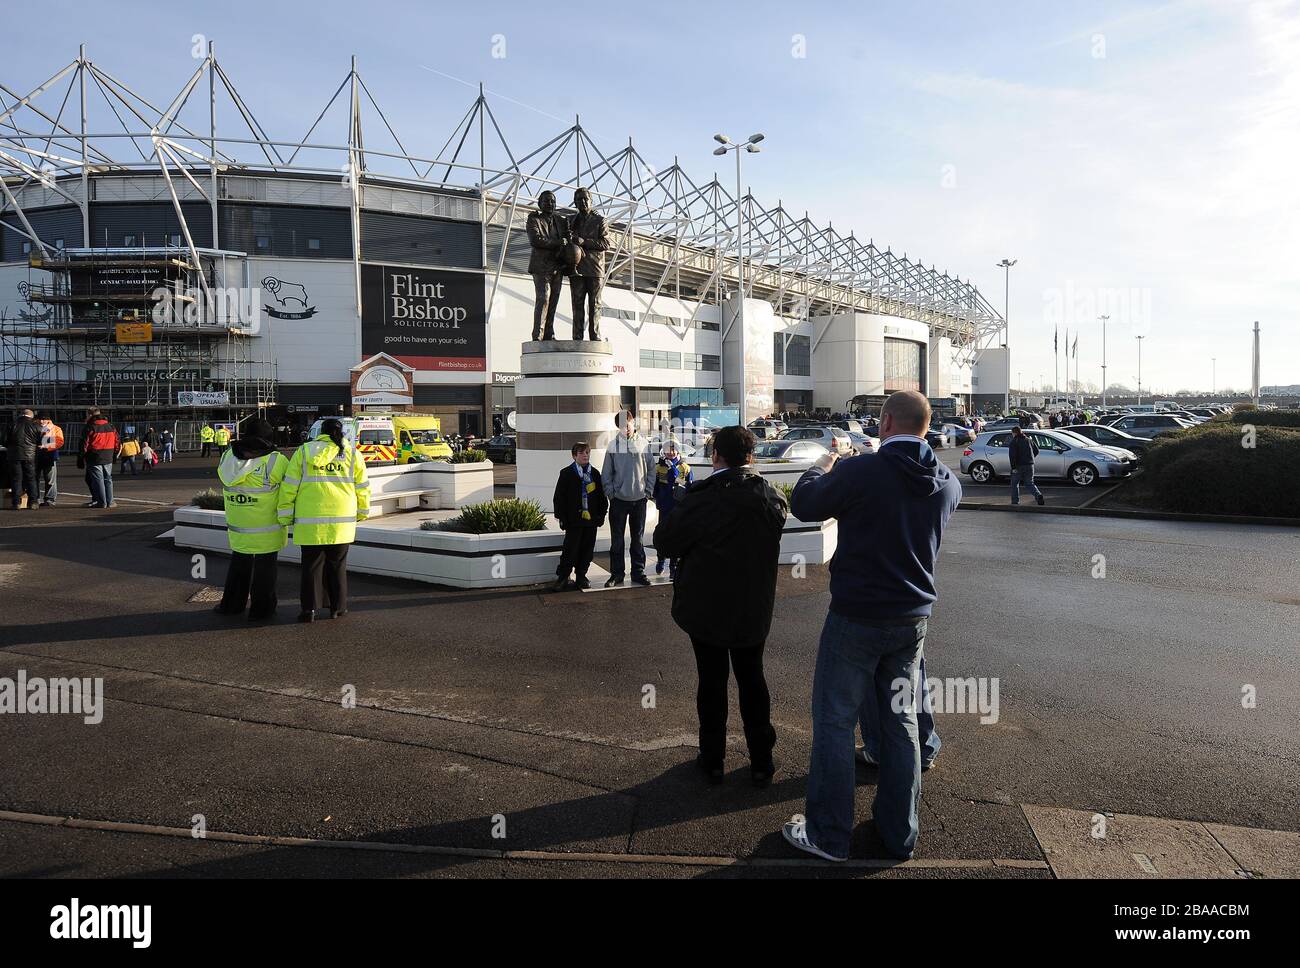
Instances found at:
x=1056 y=361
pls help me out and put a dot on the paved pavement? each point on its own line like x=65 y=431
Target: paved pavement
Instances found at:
x=1120 y=694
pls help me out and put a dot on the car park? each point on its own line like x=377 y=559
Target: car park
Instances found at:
x=1060 y=455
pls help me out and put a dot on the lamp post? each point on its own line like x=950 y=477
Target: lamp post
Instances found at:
x=725 y=144
x=1140 y=339
x=1213 y=376
x=1103 y=360
x=1006 y=265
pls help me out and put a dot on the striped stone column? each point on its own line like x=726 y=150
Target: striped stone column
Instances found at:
x=567 y=393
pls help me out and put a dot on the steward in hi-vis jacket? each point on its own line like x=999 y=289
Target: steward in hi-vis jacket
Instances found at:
x=251 y=471
x=324 y=494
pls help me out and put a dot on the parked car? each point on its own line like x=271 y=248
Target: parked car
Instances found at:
x=501 y=449
x=864 y=444
x=766 y=431
x=1060 y=455
x=1110 y=437
x=1003 y=423
x=832 y=438
x=936 y=440
x=1150 y=425
x=799 y=449
x=849 y=425
x=955 y=433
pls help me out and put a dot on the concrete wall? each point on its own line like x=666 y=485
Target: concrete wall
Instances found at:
x=848 y=354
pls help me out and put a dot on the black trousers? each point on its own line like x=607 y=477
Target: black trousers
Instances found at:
x=251 y=575
x=325 y=564
x=712 y=663
x=547 y=287
x=575 y=556
x=207 y=449
x=585 y=292
x=24 y=481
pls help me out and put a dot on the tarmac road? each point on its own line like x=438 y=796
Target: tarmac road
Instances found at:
x=1120 y=694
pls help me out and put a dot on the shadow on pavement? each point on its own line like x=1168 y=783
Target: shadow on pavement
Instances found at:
x=678 y=796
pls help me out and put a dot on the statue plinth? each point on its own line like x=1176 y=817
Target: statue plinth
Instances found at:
x=567 y=394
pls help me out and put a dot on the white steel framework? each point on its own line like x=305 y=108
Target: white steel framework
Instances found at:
x=673 y=234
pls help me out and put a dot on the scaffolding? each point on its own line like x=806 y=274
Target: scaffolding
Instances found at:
x=673 y=235
x=131 y=330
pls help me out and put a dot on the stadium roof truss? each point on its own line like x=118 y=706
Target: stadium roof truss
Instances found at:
x=673 y=235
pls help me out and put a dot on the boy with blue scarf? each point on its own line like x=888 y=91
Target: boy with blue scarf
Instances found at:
x=671 y=473
x=580 y=508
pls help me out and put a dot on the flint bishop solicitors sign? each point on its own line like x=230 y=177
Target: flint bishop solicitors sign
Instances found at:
x=428 y=319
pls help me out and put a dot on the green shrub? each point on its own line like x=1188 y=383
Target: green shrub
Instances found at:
x=1268 y=418
x=469 y=456
x=1208 y=471
x=209 y=500
x=493 y=517
x=786 y=489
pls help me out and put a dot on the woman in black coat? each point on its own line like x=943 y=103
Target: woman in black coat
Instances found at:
x=727 y=532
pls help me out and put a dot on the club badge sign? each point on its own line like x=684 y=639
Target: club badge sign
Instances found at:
x=428 y=319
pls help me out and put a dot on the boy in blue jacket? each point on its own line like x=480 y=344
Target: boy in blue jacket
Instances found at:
x=671 y=473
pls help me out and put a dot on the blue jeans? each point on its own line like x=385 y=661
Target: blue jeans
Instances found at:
x=930 y=742
x=631 y=513
x=166 y=453
x=47 y=481
x=99 y=478
x=857 y=667
x=1025 y=476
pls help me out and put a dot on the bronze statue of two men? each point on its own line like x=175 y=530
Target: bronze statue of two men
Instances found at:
x=574 y=247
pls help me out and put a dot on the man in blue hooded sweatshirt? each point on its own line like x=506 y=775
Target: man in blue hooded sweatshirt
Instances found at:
x=892 y=507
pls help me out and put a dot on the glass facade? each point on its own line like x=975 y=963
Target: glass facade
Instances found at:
x=904 y=367
x=792 y=358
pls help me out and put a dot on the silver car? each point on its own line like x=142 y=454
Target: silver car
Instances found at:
x=832 y=438
x=788 y=450
x=1060 y=454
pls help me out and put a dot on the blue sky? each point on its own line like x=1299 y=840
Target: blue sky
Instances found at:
x=1137 y=159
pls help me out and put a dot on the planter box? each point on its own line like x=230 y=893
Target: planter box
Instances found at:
x=814 y=544
x=437 y=557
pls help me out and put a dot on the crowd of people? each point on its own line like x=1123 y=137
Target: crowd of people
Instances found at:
x=719 y=538
x=35 y=444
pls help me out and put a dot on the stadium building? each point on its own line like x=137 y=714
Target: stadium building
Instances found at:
x=280 y=262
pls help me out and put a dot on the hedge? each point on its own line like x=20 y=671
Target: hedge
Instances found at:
x=493 y=517
x=468 y=456
x=209 y=500
x=1268 y=418
x=1209 y=471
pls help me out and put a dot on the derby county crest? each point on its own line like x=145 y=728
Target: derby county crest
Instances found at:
x=288 y=299
x=28 y=315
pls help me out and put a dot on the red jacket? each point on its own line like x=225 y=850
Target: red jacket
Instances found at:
x=101 y=442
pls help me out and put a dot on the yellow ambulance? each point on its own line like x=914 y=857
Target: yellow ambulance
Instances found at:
x=418 y=436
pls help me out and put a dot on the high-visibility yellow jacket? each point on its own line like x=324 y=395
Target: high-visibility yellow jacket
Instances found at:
x=325 y=492
x=222 y=436
x=206 y=435
x=252 y=492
